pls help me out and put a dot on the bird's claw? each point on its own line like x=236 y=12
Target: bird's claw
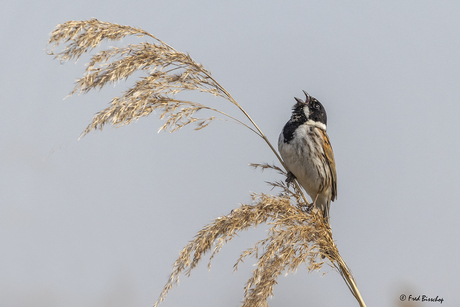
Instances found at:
x=310 y=207
x=290 y=178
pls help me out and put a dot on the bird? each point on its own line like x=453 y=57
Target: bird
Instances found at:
x=307 y=153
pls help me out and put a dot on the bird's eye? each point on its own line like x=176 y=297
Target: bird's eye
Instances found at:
x=316 y=106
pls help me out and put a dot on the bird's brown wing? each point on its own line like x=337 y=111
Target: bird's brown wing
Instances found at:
x=331 y=162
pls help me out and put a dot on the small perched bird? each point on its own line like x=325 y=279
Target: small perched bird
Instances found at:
x=307 y=153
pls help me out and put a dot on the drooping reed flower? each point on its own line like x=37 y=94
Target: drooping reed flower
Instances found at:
x=297 y=234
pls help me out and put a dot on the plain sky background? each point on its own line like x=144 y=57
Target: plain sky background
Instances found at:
x=100 y=221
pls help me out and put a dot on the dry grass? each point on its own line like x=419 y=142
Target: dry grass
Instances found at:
x=296 y=236
x=167 y=70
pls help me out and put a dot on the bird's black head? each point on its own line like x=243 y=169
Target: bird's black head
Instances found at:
x=310 y=109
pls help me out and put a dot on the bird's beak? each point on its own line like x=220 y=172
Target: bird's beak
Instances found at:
x=307 y=97
x=298 y=100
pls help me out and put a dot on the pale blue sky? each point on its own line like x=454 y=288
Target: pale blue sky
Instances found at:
x=100 y=221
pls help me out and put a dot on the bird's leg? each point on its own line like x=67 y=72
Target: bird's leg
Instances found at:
x=290 y=177
x=313 y=204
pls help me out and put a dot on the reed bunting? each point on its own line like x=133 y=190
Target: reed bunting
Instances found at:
x=307 y=153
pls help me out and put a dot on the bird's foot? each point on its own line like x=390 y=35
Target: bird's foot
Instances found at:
x=309 y=207
x=290 y=178
x=313 y=204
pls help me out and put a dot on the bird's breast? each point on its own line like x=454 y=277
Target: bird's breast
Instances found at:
x=304 y=157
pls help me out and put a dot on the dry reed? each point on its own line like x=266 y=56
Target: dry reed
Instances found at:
x=297 y=234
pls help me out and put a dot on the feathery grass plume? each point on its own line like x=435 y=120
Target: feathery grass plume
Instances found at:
x=297 y=234
x=294 y=238
x=168 y=72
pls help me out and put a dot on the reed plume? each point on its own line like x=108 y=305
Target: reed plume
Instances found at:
x=297 y=234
